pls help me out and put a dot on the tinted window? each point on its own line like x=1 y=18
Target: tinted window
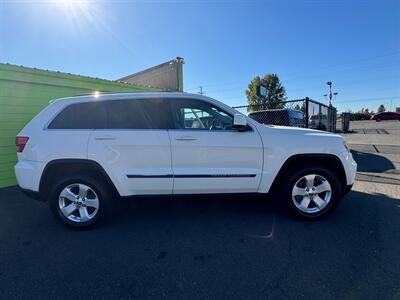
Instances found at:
x=194 y=114
x=115 y=114
x=139 y=114
x=81 y=116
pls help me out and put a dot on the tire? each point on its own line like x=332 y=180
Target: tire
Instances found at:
x=315 y=205
x=93 y=197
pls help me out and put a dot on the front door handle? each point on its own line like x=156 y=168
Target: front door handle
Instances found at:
x=105 y=137
x=185 y=138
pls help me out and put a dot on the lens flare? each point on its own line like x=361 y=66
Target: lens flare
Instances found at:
x=72 y=5
x=74 y=8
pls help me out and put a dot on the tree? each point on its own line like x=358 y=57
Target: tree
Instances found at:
x=301 y=108
x=364 y=111
x=381 y=108
x=276 y=93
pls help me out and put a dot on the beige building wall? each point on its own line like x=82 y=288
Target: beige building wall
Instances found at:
x=167 y=76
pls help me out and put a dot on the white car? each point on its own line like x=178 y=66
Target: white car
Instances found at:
x=82 y=153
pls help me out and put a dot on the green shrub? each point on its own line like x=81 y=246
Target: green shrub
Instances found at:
x=359 y=116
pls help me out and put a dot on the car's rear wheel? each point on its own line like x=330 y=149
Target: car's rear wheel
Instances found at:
x=312 y=192
x=80 y=201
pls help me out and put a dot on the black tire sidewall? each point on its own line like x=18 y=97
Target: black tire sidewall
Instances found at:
x=94 y=183
x=328 y=175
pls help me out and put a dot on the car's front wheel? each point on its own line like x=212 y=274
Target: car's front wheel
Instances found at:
x=80 y=201
x=312 y=192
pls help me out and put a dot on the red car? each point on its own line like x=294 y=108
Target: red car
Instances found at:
x=383 y=116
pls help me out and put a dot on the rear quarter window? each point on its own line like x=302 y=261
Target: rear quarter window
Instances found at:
x=81 y=116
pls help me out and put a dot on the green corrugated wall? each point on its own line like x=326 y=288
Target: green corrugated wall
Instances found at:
x=26 y=91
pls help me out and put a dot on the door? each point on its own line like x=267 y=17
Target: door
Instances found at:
x=134 y=147
x=208 y=155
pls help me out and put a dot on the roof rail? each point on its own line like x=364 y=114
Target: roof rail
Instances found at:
x=99 y=93
x=124 y=92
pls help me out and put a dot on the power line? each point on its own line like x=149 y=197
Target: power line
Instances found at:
x=346 y=101
x=242 y=88
x=346 y=83
x=234 y=83
x=352 y=61
x=369 y=99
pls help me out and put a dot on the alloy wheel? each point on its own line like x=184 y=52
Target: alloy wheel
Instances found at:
x=311 y=193
x=78 y=203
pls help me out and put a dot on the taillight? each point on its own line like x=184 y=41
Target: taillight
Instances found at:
x=20 y=142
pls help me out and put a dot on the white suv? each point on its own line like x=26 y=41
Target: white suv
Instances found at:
x=82 y=153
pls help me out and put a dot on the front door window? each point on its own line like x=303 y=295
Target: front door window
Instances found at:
x=201 y=115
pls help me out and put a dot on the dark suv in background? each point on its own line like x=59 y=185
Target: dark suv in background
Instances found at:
x=283 y=117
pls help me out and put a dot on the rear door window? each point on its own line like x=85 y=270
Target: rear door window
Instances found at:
x=139 y=114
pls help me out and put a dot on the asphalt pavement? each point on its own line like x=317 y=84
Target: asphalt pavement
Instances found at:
x=202 y=248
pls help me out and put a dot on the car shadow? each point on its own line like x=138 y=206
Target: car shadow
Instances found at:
x=368 y=162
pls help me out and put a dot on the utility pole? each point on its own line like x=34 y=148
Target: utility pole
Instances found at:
x=330 y=95
x=201 y=90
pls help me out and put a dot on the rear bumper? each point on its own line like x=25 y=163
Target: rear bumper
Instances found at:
x=28 y=174
x=33 y=194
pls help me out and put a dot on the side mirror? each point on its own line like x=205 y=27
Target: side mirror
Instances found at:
x=239 y=122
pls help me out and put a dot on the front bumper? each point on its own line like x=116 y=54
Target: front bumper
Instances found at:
x=347 y=189
x=352 y=170
x=350 y=167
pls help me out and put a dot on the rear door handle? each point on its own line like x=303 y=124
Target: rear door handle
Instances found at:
x=185 y=138
x=105 y=137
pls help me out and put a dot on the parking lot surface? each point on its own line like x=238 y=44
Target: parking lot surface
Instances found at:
x=376 y=147
x=213 y=247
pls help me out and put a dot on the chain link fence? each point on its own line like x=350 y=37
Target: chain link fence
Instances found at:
x=298 y=113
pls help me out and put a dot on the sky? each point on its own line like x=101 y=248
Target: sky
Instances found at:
x=353 y=43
